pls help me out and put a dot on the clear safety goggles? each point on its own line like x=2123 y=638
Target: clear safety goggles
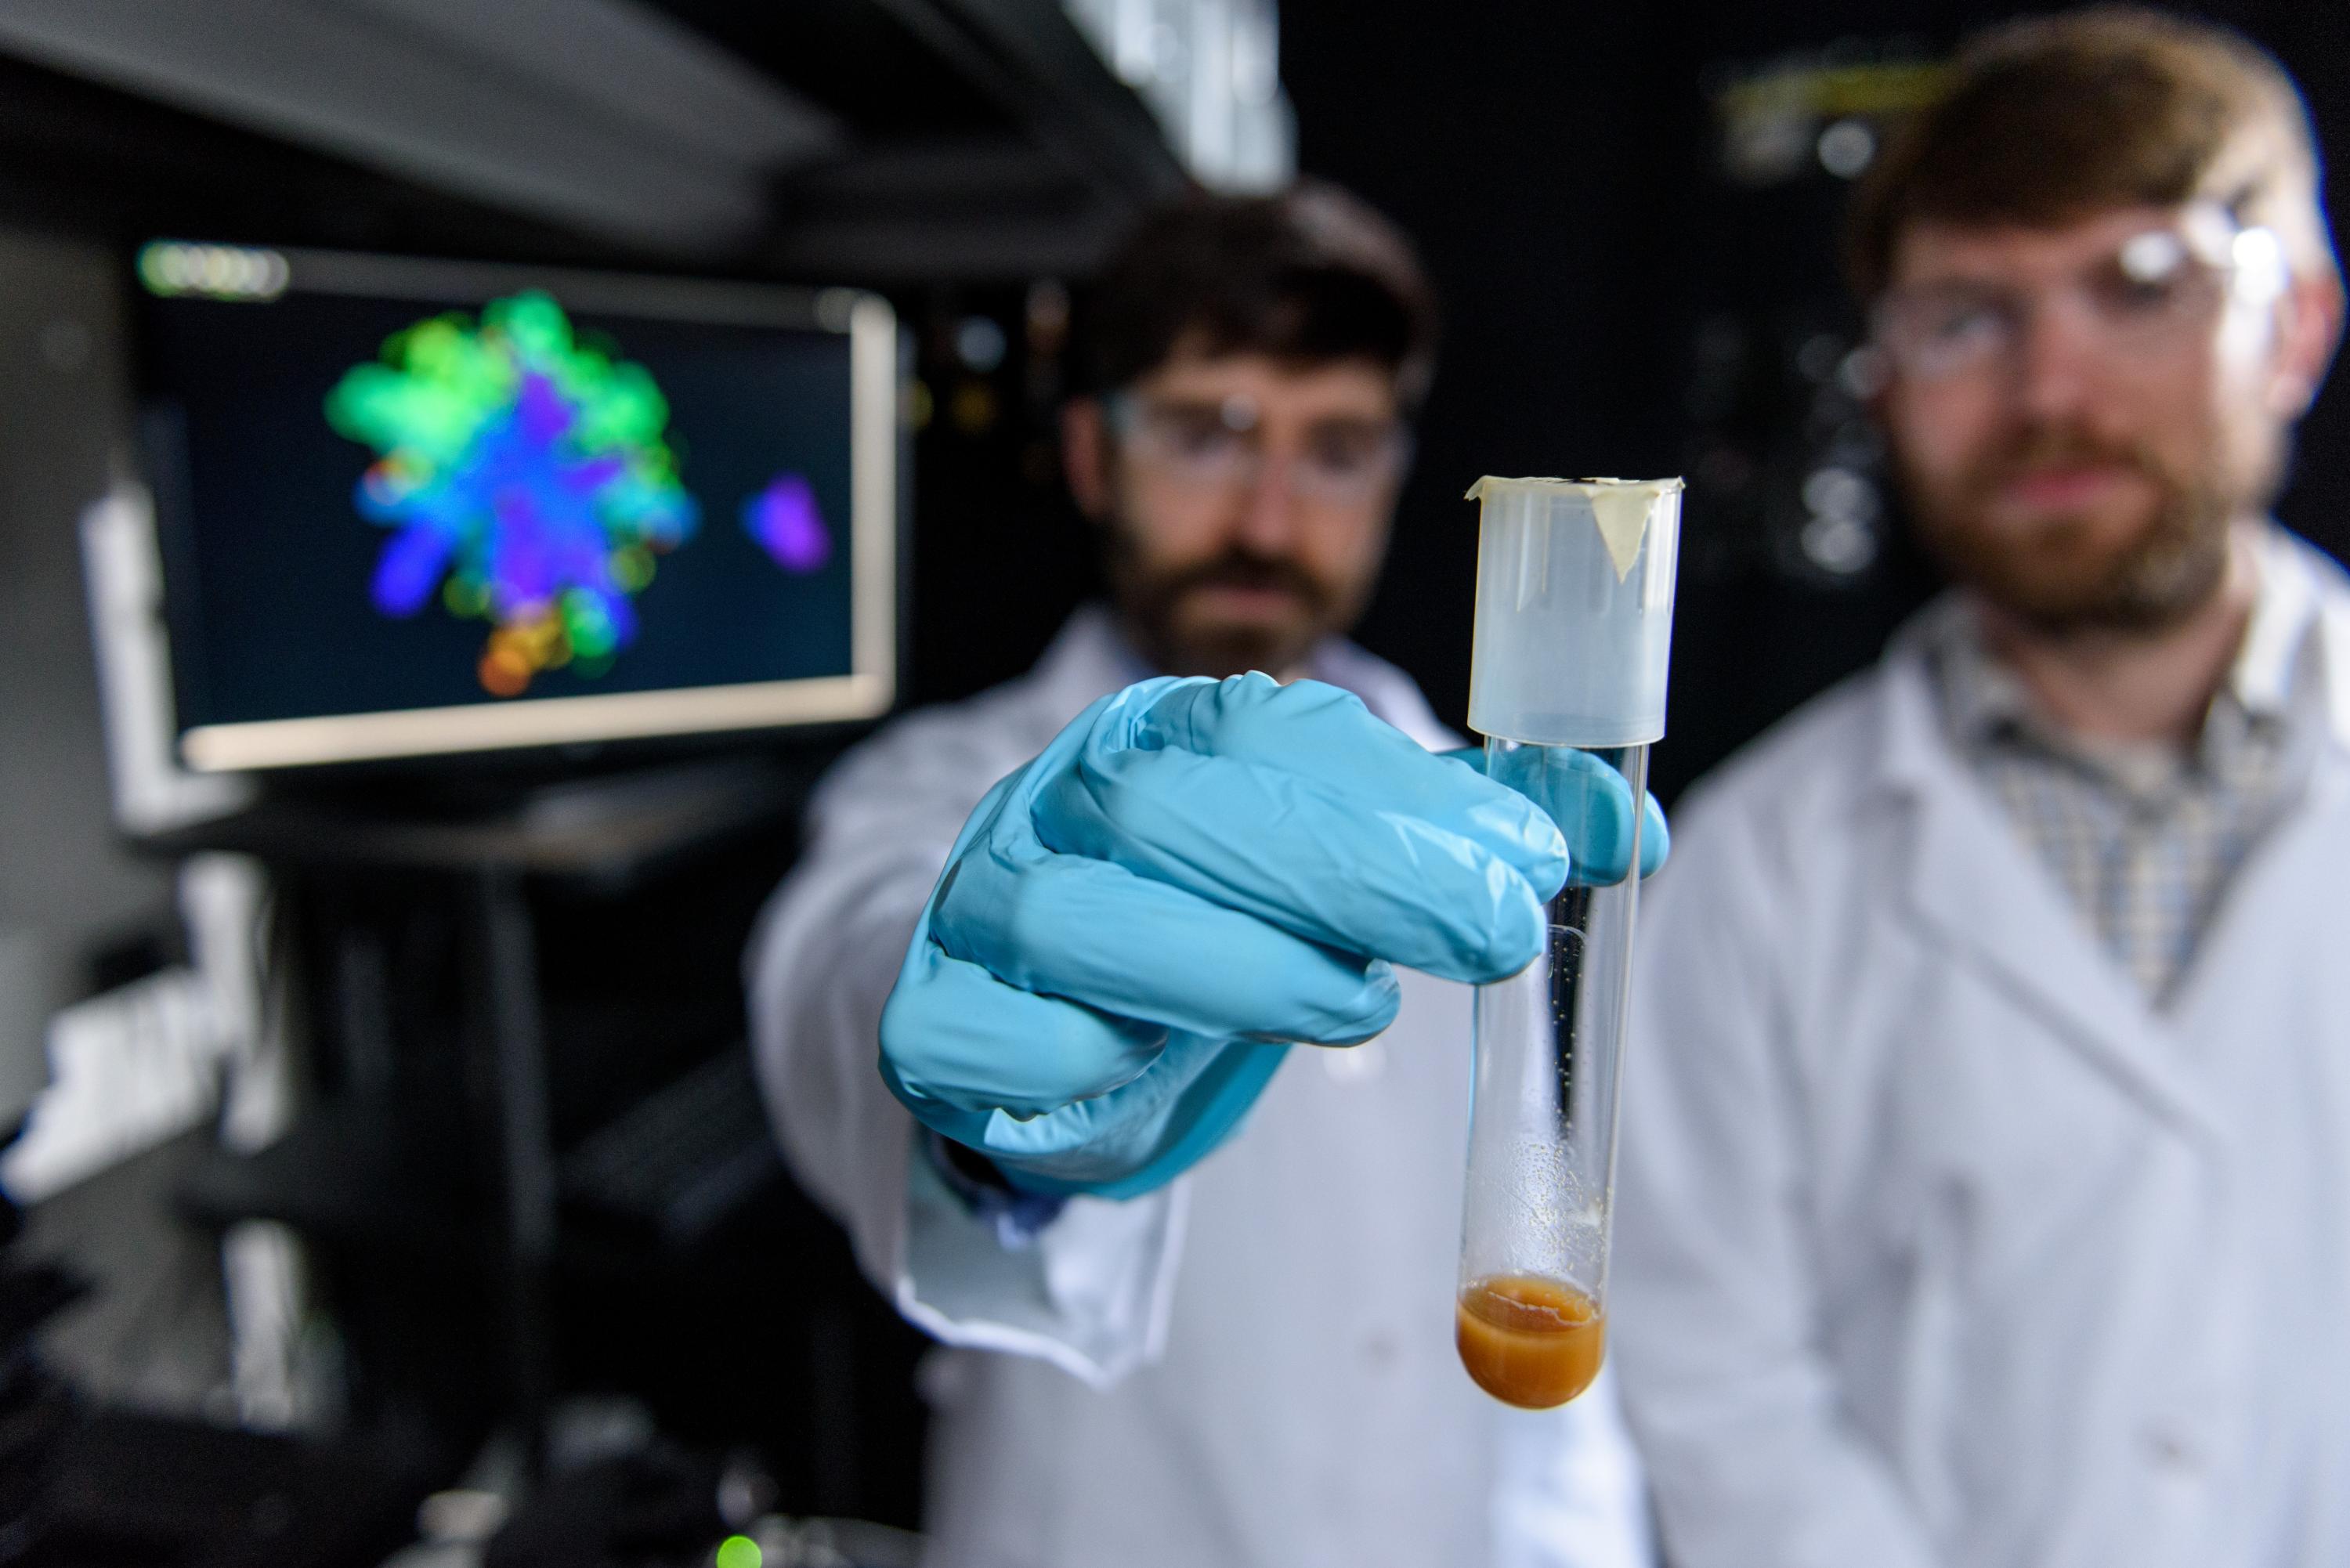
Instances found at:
x=1218 y=446
x=2156 y=294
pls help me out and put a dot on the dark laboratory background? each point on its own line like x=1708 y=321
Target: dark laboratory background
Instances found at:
x=543 y=1293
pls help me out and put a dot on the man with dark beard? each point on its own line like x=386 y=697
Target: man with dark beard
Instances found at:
x=1986 y=1183
x=1192 y=1310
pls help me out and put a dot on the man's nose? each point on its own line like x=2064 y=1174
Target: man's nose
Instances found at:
x=1268 y=521
x=2056 y=365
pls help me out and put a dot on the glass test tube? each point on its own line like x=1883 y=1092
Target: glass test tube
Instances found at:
x=1574 y=597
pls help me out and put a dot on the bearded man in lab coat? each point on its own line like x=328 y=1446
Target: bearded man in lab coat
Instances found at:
x=1985 y=1195
x=1248 y=1359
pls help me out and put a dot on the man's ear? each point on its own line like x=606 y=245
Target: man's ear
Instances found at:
x=1085 y=455
x=2309 y=329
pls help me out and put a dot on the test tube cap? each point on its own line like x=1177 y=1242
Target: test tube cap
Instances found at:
x=1574 y=609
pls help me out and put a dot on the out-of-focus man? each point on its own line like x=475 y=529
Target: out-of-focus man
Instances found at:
x=1191 y=1283
x=1986 y=1187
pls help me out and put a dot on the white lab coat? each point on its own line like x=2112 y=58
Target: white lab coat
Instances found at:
x=1251 y=1366
x=1936 y=1244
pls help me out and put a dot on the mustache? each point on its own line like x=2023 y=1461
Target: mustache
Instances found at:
x=1238 y=569
x=2043 y=447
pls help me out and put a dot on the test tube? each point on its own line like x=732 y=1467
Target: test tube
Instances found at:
x=1574 y=609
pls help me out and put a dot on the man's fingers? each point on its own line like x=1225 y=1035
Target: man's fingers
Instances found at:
x=1322 y=735
x=1345 y=871
x=1591 y=803
x=1096 y=933
x=984 y=1046
x=1656 y=836
x=1136 y=1138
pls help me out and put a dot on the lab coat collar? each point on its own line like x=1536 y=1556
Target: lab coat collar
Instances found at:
x=1978 y=695
x=2328 y=648
x=1970 y=877
x=1090 y=657
x=2286 y=641
x=2271 y=661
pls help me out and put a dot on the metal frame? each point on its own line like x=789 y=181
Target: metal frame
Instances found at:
x=603 y=115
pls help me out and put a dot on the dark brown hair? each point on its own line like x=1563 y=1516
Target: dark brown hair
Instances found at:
x=1307 y=275
x=2047 y=121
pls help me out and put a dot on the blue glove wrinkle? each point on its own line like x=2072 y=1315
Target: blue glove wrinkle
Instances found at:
x=946 y=1021
x=1591 y=803
x=1087 y=930
x=963 y=1016
x=1383 y=995
x=1347 y=875
x=1416 y=890
x=1655 y=837
x=1208 y=1093
x=1096 y=933
x=1319 y=731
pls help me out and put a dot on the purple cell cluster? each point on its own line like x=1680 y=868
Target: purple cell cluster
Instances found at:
x=783 y=519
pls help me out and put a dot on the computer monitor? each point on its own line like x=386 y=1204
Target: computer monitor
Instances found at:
x=409 y=508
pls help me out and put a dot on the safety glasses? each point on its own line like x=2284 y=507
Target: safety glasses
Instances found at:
x=2156 y=294
x=1218 y=446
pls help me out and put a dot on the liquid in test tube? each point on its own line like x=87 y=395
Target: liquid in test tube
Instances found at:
x=1575 y=602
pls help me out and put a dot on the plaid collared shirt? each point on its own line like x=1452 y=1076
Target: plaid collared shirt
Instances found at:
x=2144 y=839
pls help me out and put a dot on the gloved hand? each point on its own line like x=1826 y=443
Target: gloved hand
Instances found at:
x=1591 y=804
x=1192 y=874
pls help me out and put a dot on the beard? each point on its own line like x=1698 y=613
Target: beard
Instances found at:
x=2071 y=573
x=1161 y=610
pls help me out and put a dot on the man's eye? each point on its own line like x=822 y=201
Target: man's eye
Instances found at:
x=1345 y=449
x=1955 y=322
x=2122 y=295
x=1212 y=443
x=1205 y=436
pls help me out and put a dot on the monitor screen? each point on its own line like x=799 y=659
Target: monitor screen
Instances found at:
x=412 y=507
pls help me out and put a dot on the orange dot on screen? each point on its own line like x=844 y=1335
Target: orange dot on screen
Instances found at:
x=504 y=672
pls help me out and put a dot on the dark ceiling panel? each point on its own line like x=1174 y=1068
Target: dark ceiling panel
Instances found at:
x=856 y=59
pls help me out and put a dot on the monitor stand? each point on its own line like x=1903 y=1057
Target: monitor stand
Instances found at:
x=480 y=853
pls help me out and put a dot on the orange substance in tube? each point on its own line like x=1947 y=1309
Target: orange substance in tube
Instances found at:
x=1532 y=1343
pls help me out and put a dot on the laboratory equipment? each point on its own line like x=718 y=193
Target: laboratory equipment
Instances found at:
x=1574 y=624
x=408 y=507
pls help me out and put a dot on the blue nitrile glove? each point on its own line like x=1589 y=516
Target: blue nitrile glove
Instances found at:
x=1191 y=874
x=1592 y=806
